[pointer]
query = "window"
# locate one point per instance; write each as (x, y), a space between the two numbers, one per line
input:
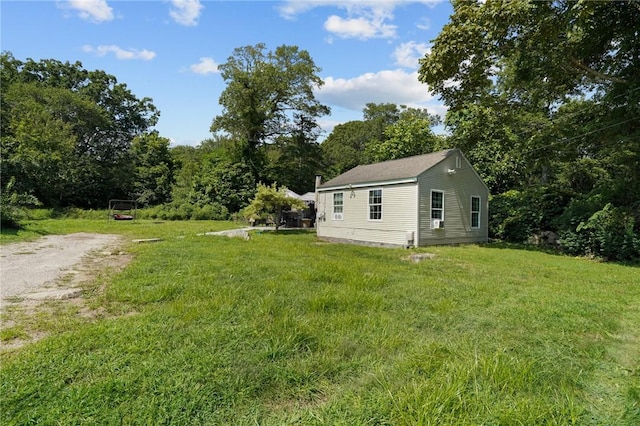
(338, 205)
(375, 204)
(437, 205)
(475, 212)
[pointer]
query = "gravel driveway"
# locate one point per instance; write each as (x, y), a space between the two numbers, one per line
(29, 266)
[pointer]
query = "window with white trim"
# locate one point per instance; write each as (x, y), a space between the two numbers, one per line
(475, 211)
(375, 204)
(437, 205)
(338, 205)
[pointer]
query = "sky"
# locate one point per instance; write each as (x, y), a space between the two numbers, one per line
(169, 50)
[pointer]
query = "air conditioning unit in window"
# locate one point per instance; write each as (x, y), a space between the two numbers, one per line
(438, 224)
(338, 216)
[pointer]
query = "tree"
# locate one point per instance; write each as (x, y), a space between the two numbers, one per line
(344, 148)
(221, 182)
(271, 200)
(295, 160)
(266, 92)
(153, 168)
(39, 145)
(540, 91)
(87, 108)
(539, 52)
(409, 135)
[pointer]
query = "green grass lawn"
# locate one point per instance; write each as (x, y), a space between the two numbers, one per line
(283, 329)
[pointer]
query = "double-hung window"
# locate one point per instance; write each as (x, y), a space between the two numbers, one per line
(475, 211)
(375, 204)
(437, 209)
(338, 205)
(437, 205)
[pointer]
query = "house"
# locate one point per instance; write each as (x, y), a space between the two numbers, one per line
(435, 198)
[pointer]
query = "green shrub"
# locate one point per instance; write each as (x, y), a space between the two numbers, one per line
(512, 217)
(212, 211)
(608, 234)
(13, 206)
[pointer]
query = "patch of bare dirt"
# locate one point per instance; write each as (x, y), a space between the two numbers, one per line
(53, 274)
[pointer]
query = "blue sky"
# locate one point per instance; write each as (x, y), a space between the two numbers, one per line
(169, 50)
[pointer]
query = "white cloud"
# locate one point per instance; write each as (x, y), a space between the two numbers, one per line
(362, 27)
(388, 86)
(424, 24)
(291, 8)
(205, 66)
(124, 54)
(91, 10)
(364, 18)
(186, 12)
(408, 54)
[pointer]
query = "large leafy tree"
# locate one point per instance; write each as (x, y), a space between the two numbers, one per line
(43, 125)
(409, 135)
(545, 95)
(387, 131)
(345, 146)
(538, 51)
(73, 107)
(266, 93)
(154, 169)
(295, 160)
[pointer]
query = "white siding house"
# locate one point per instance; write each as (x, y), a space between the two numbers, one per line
(435, 198)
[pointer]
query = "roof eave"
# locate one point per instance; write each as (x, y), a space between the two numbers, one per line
(367, 184)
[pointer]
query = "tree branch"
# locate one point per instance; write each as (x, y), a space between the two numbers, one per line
(595, 73)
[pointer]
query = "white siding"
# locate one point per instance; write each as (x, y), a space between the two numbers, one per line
(399, 215)
(458, 188)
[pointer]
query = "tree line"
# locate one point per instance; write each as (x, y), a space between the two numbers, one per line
(543, 98)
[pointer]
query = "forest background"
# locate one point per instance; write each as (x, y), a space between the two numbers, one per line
(543, 98)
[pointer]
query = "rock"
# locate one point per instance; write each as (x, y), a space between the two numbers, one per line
(419, 257)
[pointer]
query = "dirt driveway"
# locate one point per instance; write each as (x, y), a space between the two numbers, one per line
(35, 270)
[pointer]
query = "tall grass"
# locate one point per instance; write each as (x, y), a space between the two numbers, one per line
(283, 329)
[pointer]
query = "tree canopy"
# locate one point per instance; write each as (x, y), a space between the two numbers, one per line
(267, 95)
(67, 132)
(544, 97)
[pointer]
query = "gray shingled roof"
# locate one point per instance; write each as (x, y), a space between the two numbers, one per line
(402, 168)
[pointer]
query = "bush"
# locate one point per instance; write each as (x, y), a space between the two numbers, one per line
(187, 211)
(512, 217)
(213, 211)
(608, 234)
(13, 206)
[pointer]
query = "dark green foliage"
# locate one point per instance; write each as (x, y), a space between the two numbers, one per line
(154, 169)
(186, 211)
(546, 106)
(268, 95)
(345, 147)
(409, 135)
(222, 182)
(609, 234)
(12, 205)
(67, 132)
(388, 131)
(511, 217)
(294, 161)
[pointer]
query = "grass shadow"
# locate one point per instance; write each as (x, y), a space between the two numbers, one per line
(286, 231)
(554, 252)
